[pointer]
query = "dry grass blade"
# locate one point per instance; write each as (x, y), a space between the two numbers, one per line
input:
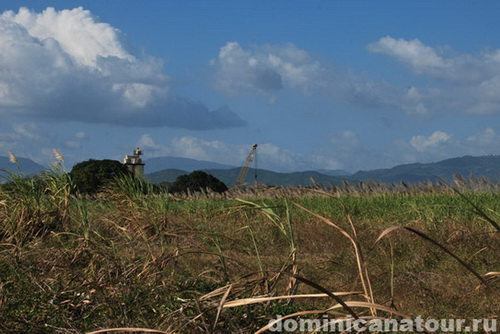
(221, 305)
(332, 295)
(128, 330)
(344, 208)
(215, 293)
(370, 306)
(255, 300)
(327, 221)
(434, 242)
(359, 253)
(386, 232)
(243, 284)
(359, 258)
(492, 276)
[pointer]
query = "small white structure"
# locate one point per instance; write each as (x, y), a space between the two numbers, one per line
(134, 163)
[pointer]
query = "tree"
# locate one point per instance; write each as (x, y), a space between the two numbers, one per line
(197, 181)
(92, 175)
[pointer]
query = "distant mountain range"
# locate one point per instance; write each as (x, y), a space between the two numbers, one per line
(333, 172)
(229, 176)
(487, 166)
(26, 166)
(167, 169)
(189, 165)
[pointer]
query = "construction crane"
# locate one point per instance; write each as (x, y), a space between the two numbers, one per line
(246, 166)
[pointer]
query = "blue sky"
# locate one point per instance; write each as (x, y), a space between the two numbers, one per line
(317, 84)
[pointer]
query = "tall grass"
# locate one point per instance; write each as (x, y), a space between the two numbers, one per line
(34, 205)
(135, 258)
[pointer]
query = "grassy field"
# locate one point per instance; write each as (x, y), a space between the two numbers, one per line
(132, 257)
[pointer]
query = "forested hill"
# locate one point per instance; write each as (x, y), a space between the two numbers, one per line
(487, 166)
(26, 166)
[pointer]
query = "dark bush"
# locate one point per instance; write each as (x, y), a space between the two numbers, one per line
(197, 181)
(91, 176)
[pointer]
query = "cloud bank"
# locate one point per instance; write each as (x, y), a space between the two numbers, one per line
(65, 65)
(345, 150)
(465, 82)
(265, 69)
(268, 69)
(457, 82)
(270, 156)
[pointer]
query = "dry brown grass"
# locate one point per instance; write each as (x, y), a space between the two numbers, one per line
(130, 261)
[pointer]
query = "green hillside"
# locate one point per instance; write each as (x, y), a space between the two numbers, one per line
(158, 164)
(487, 166)
(166, 175)
(24, 165)
(274, 178)
(229, 176)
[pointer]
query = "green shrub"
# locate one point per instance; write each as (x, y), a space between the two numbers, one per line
(197, 181)
(92, 175)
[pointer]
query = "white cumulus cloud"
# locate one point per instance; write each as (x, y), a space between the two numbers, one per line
(414, 52)
(442, 145)
(264, 69)
(467, 82)
(436, 139)
(441, 63)
(267, 69)
(76, 31)
(66, 65)
(457, 82)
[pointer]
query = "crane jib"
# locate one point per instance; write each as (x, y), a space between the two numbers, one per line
(246, 166)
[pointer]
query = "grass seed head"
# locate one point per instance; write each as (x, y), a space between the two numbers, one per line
(58, 155)
(12, 158)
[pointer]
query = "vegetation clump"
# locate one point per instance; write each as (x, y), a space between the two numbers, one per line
(92, 175)
(197, 181)
(138, 257)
